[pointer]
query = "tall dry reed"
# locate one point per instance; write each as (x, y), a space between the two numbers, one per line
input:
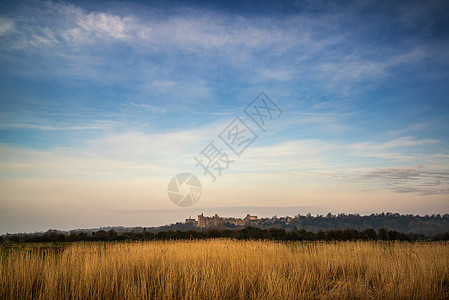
(226, 269)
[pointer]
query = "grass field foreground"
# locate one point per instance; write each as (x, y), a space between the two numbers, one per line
(225, 269)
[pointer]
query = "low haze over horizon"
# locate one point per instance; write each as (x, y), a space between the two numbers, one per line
(102, 103)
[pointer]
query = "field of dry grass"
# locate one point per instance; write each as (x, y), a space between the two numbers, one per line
(225, 269)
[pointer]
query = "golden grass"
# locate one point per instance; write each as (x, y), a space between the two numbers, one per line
(227, 269)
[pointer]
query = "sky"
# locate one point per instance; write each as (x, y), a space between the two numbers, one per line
(103, 103)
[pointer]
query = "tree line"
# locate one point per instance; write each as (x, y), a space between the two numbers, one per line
(247, 233)
(429, 225)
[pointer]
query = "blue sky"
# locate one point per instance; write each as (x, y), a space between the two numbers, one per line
(101, 103)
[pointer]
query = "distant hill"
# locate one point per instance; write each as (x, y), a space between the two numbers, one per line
(427, 225)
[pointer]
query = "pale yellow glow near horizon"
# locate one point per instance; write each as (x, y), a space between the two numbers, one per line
(69, 203)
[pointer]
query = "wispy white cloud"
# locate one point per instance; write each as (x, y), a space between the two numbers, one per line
(149, 107)
(71, 41)
(329, 121)
(408, 129)
(394, 149)
(6, 26)
(91, 27)
(94, 125)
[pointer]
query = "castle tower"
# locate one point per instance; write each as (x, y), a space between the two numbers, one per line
(201, 220)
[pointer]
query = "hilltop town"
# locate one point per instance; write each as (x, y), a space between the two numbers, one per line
(216, 221)
(427, 225)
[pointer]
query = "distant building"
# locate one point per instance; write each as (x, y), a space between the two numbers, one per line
(190, 221)
(219, 221)
(201, 221)
(249, 218)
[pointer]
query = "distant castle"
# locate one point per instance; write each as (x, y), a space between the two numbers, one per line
(217, 221)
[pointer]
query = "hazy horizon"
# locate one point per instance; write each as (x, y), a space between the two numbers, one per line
(103, 103)
(180, 216)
